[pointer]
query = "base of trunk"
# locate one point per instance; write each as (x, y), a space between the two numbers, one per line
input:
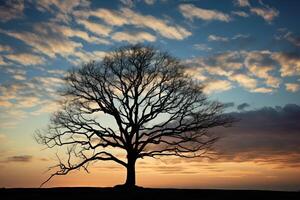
(127, 187)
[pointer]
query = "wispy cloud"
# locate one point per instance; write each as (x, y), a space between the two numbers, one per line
(5, 48)
(244, 81)
(126, 16)
(242, 3)
(290, 63)
(96, 28)
(44, 40)
(190, 12)
(133, 37)
(268, 14)
(217, 38)
(37, 94)
(82, 57)
(62, 10)
(216, 86)
(288, 36)
(264, 11)
(240, 13)
(150, 2)
(260, 64)
(202, 47)
(292, 87)
(253, 70)
(22, 158)
(12, 9)
(26, 59)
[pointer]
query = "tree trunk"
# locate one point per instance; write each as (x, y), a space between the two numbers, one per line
(130, 179)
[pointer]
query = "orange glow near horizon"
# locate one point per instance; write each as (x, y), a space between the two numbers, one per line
(164, 173)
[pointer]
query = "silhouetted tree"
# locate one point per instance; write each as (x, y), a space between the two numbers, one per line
(157, 109)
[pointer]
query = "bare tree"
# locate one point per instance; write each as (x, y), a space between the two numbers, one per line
(157, 110)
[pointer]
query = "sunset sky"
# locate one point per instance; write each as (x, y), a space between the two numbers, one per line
(247, 52)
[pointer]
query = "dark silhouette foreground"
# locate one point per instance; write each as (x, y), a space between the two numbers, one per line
(154, 107)
(142, 193)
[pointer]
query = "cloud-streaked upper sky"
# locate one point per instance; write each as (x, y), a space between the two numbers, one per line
(247, 52)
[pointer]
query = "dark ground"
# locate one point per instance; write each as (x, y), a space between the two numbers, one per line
(142, 193)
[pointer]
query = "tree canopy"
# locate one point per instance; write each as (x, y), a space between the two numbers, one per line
(155, 107)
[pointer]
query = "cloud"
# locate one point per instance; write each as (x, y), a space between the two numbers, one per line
(228, 105)
(52, 40)
(96, 28)
(2, 62)
(202, 47)
(127, 16)
(289, 36)
(18, 96)
(226, 61)
(267, 135)
(110, 17)
(47, 107)
(22, 158)
(261, 64)
(289, 62)
(295, 40)
(240, 13)
(196, 72)
(16, 73)
(11, 117)
(82, 57)
(57, 72)
(244, 80)
(63, 10)
(243, 106)
(37, 94)
(263, 72)
(5, 48)
(5, 103)
(29, 102)
(219, 71)
(242, 3)
(133, 37)
(84, 35)
(292, 87)
(149, 2)
(217, 38)
(256, 71)
(262, 90)
(19, 77)
(238, 37)
(128, 3)
(12, 9)
(26, 59)
(23, 96)
(216, 86)
(45, 40)
(249, 83)
(268, 14)
(10, 91)
(190, 12)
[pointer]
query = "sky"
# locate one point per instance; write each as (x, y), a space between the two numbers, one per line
(246, 52)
